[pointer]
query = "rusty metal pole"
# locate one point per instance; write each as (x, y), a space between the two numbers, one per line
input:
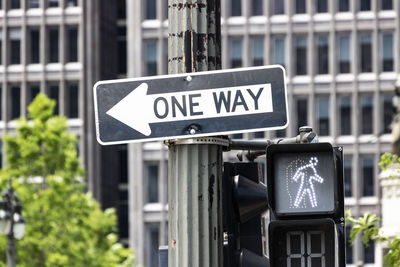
(194, 169)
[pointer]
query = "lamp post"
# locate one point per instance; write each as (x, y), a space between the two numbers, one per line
(12, 223)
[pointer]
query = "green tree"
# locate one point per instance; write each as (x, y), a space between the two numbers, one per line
(367, 226)
(65, 225)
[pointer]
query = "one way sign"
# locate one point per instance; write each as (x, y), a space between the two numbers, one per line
(190, 105)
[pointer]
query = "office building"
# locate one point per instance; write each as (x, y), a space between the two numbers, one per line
(341, 60)
(341, 63)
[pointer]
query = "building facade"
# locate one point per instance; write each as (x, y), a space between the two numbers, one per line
(61, 48)
(341, 61)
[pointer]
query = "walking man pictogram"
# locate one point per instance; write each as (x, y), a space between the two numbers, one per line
(305, 176)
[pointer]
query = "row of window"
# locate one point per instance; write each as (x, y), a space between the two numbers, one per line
(70, 98)
(345, 127)
(278, 7)
(17, 4)
(300, 50)
(365, 182)
(367, 176)
(53, 45)
(300, 6)
(365, 117)
(321, 51)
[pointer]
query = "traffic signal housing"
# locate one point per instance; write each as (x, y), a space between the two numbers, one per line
(305, 194)
(244, 200)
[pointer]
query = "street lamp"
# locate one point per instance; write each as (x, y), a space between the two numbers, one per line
(12, 223)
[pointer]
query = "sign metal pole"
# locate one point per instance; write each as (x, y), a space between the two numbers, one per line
(195, 165)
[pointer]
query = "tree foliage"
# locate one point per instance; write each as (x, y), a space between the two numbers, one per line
(367, 226)
(388, 159)
(65, 226)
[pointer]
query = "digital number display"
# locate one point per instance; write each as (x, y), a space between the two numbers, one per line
(304, 182)
(308, 243)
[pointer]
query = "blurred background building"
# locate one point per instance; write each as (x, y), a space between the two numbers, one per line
(341, 59)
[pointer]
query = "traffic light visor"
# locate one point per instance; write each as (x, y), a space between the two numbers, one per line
(301, 179)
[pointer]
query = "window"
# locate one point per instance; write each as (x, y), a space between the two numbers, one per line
(165, 10)
(33, 4)
(300, 6)
(15, 42)
(238, 136)
(302, 112)
(278, 56)
(72, 3)
(236, 8)
(259, 134)
(73, 44)
(369, 252)
(15, 109)
(53, 93)
(34, 47)
(366, 52)
(72, 104)
(152, 182)
(258, 51)
(322, 6)
(123, 206)
(123, 214)
(387, 52)
(165, 46)
(52, 3)
(366, 102)
(345, 115)
(301, 55)
(344, 53)
(236, 53)
(1, 45)
(122, 50)
(153, 235)
(123, 164)
(387, 5)
(347, 166)
(367, 165)
(365, 5)
(1, 108)
(344, 6)
(15, 4)
(151, 9)
(53, 45)
(121, 9)
(257, 8)
(323, 115)
(387, 113)
(34, 89)
(151, 57)
(349, 247)
(279, 7)
(280, 133)
(322, 53)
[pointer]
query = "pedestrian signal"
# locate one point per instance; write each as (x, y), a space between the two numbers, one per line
(305, 195)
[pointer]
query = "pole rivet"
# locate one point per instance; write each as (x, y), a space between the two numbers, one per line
(189, 78)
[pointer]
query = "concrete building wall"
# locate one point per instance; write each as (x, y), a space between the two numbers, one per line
(328, 89)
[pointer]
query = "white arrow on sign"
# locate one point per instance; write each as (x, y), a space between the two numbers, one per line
(139, 109)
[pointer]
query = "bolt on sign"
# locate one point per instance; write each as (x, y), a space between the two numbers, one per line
(190, 105)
